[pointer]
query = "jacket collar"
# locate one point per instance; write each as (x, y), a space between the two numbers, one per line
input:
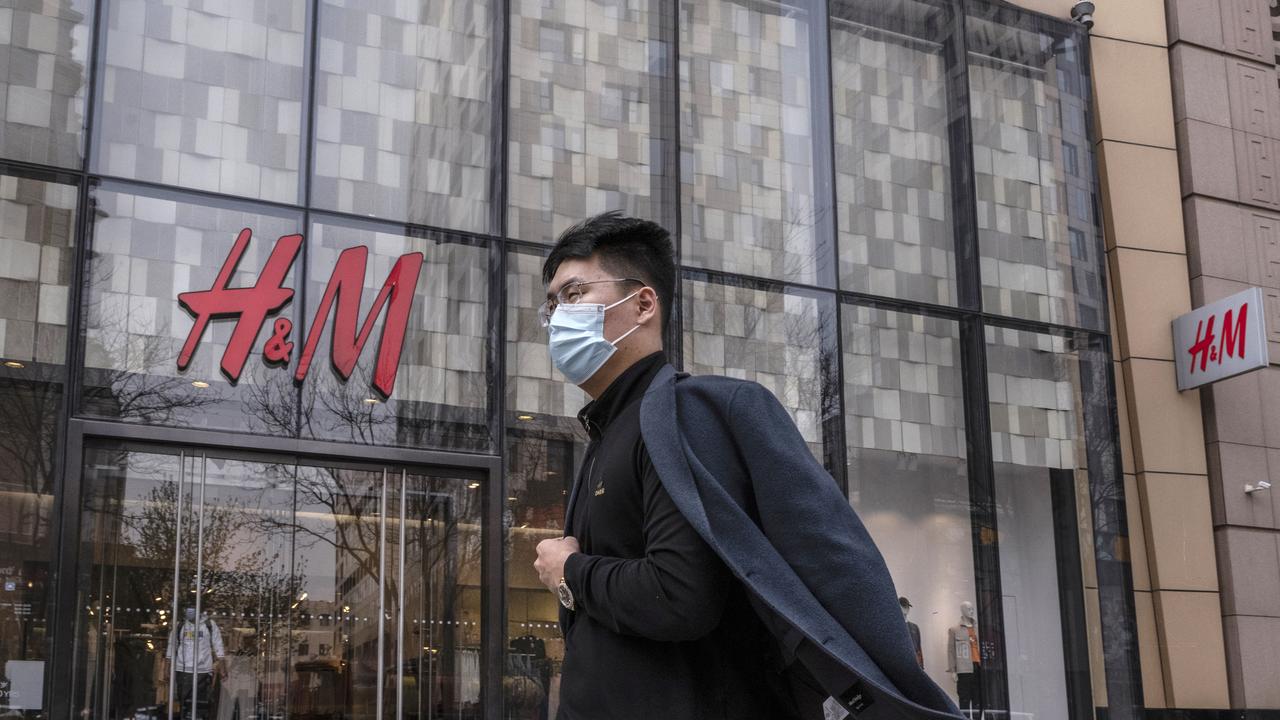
(628, 387)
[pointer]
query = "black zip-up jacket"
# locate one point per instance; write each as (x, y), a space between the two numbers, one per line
(660, 627)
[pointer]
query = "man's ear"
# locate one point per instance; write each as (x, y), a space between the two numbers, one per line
(647, 302)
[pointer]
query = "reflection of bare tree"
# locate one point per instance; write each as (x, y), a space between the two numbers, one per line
(122, 383)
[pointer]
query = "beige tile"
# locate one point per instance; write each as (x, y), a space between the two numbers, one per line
(1254, 96)
(1257, 169)
(1249, 568)
(1207, 160)
(1122, 411)
(1140, 196)
(1231, 466)
(1233, 410)
(1194, 21)
(1191, 649)
(1167, 431)
(1097, 658)
(1253, 660)
(1136, 103)
(1179, 531)
(1138, 564)
(1246, 28)
(1149, 651)
(1152, 288)
(1269, 391)
(1136, 20)
(1199, 78)
(1216, 239)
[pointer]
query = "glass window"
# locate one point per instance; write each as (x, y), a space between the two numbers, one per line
(774, 338)
(584, 131)
(44, 49)
(37, 220)
(37, 227)
(147, 250)
(239, 587)
(1033, 174)
(908, 477)
(403, 111)
(543, 442)
(748, 203)
(1043, 506)
(204, 95)
(893, 169)
(432, 392)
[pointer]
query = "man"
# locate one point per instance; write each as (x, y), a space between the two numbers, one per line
(710, 567)
(658, 626)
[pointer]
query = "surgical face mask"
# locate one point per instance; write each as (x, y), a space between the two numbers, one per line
(191, 613)
(577, 344)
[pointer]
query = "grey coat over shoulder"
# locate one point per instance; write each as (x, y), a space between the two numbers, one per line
(738, 469)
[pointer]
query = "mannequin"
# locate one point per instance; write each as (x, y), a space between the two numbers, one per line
(197, 644)
(913, 629)
(964, 660)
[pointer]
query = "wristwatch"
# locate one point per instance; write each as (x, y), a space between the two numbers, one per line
(565, 595)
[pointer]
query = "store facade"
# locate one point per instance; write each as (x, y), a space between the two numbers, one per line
(271, 352)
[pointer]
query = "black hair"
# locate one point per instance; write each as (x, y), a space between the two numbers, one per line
(625, 246)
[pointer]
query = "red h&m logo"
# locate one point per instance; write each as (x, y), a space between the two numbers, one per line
(251, 306)
(1232, 343)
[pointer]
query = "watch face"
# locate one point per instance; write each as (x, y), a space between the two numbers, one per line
(566, 597)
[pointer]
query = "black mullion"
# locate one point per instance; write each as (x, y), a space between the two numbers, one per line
(674, 343)
(493, 594)
(1116, 604)
(830, 322)
(982, 510)
(994, 679)
(67, 477)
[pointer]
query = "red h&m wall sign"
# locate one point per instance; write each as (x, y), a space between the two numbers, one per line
(1221, 339)
(251, 306)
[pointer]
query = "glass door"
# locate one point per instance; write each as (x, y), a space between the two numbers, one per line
(229, 587)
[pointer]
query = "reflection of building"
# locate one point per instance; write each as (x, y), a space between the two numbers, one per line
(889, 213)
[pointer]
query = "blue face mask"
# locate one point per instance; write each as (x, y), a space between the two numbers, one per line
(577, 344)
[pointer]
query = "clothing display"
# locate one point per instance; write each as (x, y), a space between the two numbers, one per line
(200, 706)
(964, 658)
(198, 644)
(914, 630)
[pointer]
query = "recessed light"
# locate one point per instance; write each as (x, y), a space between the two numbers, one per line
(372, 401)
(526, 418)
(13, 364)
(200, 384)
(474, 485)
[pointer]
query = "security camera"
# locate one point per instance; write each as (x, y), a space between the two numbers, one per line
(1082, 12)
(1262, 485)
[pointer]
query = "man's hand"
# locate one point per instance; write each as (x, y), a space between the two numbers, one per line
(552, 553)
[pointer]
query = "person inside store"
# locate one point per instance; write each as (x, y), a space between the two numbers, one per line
(710, 567)
(200, 657)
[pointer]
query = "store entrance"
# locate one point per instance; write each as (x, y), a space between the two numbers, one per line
(227, 586)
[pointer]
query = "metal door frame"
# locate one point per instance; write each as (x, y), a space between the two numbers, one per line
(484, 468)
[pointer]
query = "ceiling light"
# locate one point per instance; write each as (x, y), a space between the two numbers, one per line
(526, 418)
(200, 384)
(372, 401)
(13, 364)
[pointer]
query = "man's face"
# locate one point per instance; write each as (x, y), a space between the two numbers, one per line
(617, 320)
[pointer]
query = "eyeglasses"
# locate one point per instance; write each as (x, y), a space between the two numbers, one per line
(570, 294)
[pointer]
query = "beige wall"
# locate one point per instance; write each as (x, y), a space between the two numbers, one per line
(1227, 107)
(1142, 134)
